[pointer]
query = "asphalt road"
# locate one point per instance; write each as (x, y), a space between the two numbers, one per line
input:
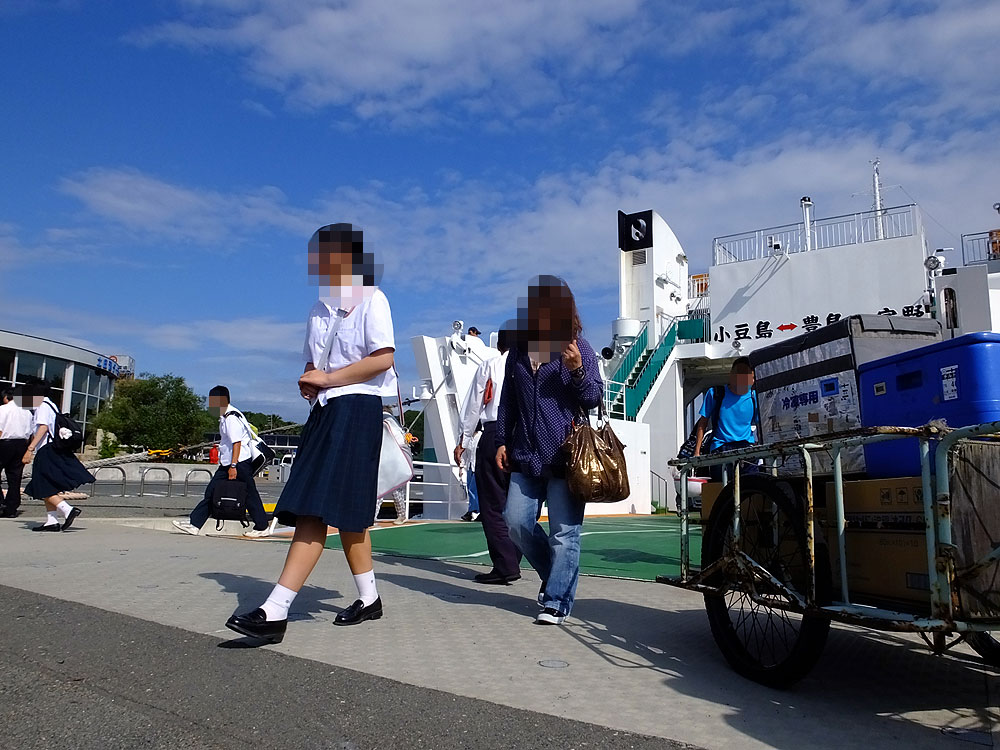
(79, 677)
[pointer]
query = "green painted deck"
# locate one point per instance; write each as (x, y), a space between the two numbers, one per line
(639, 548)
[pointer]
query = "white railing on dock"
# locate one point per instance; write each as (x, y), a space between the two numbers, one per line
(837, 231)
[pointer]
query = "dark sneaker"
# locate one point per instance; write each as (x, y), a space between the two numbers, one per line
(550, 616)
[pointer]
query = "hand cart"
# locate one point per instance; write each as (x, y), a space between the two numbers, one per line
(768, 583)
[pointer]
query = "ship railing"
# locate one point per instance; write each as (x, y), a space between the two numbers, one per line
(980, 247)
(449, 493)
(632, 354)
(614, 399)
(836, 231)
(697, 285)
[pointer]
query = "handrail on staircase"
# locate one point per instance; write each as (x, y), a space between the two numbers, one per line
(650, 371)
(632, 356)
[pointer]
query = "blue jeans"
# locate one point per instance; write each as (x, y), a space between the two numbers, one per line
(473, 493)
(554, 556)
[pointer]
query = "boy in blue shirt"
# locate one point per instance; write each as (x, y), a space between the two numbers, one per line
(737, 414)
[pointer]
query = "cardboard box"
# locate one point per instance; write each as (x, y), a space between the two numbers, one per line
(710, 492)
(880, 504)
(890, 564)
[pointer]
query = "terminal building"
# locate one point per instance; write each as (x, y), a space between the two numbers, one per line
(80, 380)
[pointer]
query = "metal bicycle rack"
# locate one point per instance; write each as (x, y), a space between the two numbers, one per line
(187, 477)
(102, 468)
(142, 478)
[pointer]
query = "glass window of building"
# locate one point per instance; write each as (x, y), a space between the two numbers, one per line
(29, 367)
(80, 375)
(105, 391)
(55, 372)
(94, 384)
(91, 409)
(77, 406)
(7, 365)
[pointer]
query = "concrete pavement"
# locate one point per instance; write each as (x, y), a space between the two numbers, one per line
(635, 656)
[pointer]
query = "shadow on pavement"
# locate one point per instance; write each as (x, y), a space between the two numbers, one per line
(884, 682)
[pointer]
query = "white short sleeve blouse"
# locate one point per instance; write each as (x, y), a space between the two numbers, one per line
(365, 329)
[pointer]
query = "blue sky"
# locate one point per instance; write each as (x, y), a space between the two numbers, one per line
(165, 162)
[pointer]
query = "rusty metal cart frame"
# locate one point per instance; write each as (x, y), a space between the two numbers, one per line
(737, 571)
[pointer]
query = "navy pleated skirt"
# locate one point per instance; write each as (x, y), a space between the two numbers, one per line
(335, 474)
(53, 472)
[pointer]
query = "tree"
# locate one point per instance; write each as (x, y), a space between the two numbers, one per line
(268, 421)
(155, 411)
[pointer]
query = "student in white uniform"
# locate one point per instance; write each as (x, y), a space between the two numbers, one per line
(15, 432)
(482, 406)
(234, 464)
(349, 356)
(54, 472)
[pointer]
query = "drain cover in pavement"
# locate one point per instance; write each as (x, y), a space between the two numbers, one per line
(553, 664)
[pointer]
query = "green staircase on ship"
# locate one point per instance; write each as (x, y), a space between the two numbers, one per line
(637, 372)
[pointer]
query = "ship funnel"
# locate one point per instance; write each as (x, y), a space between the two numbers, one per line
(807, 204)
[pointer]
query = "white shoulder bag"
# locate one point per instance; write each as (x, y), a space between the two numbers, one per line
(395, 466)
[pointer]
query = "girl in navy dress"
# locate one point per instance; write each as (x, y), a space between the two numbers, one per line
(348, 352)
(55, 472)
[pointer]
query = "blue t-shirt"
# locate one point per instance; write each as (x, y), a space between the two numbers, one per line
(737, 417)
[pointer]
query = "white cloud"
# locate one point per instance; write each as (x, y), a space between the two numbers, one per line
(400, 58)
(146, 205)
(922, 59)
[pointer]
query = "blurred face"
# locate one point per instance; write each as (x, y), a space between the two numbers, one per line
(216, 405)
(338, 269)
(548, 321)
(29, 400)
(740, 380)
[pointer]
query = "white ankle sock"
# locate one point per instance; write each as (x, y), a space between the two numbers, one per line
(277, 604)
(64, 508)
(51, 518)
(367, 592)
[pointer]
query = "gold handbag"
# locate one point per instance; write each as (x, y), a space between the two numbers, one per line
(595, 462)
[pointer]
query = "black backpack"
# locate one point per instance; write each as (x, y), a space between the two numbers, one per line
(687, 449)
(229, 503)
(67, 437)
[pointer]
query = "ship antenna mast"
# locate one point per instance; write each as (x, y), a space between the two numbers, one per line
(877, 191)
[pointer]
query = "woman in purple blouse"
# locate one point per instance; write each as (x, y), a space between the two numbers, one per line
(551, 378)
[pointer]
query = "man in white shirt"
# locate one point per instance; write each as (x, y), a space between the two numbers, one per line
(15, 432)
(491, 482)
(234, 465)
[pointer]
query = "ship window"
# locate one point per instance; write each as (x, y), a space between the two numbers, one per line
(638, 257)
(950, 308)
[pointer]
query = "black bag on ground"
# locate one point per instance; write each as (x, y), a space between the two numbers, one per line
(68, 435)
(687, 449)
(229, 503)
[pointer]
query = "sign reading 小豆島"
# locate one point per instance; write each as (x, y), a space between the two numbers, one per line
(765, 329)
(755, 302)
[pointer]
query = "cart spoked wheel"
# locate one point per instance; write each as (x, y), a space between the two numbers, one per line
(986, 645)
(761, 641)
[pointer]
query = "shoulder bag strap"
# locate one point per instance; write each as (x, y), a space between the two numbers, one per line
(334, 327)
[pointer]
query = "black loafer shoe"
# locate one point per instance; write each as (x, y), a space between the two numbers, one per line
(73, 514)
(256, 625)
(496, 579)
(48, 527)
(9, 513)
(358, 613)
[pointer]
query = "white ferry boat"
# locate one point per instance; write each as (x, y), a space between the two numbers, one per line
(678, 332)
